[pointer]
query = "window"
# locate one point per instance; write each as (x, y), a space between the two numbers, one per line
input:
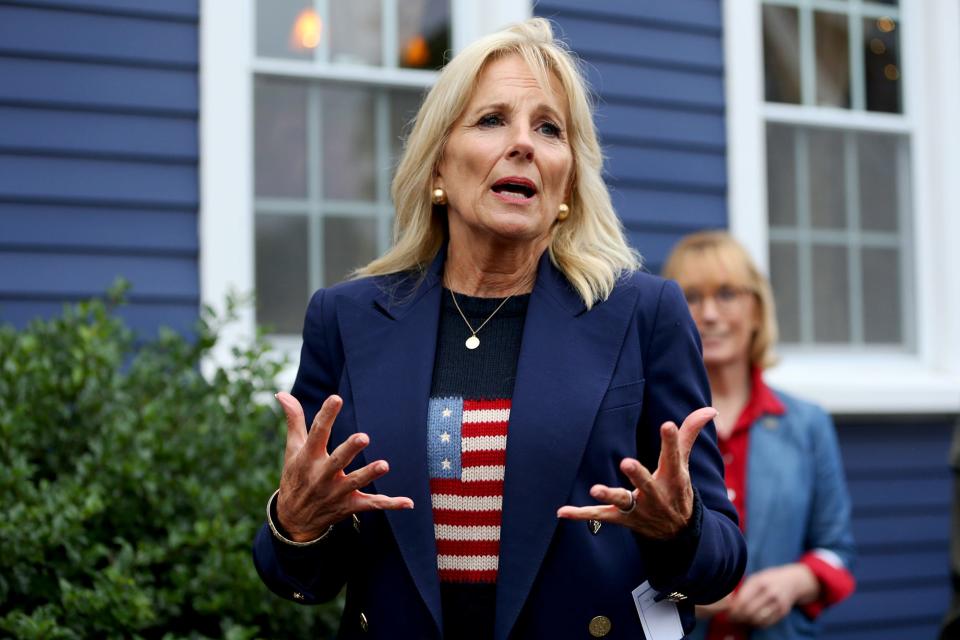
(838, 208)
(302, 105)
(839, 122)
(324, 149)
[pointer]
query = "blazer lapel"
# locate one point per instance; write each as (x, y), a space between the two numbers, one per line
(566, 362)
(389, 363)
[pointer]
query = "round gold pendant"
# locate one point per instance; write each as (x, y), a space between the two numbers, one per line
(472, 342)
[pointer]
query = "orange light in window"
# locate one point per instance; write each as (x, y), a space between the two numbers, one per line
(416, 53)
(306, 30)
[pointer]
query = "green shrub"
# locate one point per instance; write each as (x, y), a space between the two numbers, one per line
(131, 485)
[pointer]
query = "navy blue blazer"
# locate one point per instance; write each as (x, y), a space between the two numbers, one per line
(592, 388)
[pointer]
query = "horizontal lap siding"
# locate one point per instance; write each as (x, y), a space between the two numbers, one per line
(900, 483)
(657, 70)
(99, 157)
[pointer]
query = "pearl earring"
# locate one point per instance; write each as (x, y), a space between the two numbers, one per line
(564, 212)
(439, 196)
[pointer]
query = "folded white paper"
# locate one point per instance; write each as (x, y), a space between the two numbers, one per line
(660, 620)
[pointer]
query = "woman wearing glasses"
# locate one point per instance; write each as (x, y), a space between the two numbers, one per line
(782, 462)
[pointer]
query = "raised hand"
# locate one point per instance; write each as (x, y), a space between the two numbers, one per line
(314, 490)
(661, 503)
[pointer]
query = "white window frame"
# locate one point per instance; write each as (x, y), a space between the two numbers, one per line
(227, 68)
(927, 381)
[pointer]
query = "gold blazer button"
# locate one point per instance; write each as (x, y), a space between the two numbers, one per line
(600, 626)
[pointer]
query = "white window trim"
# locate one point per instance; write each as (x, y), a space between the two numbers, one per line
(868, 383)
(226, 227)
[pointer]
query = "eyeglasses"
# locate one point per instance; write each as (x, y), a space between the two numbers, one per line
(725, 297)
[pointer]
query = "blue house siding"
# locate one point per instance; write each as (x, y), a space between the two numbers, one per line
(657, 69)
(99, 157)
(901, 485)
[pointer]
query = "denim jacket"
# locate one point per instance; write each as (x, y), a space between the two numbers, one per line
(797, 500)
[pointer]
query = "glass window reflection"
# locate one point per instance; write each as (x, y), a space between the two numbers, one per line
(287, 29)
(882, 66)
(355, 32)
(781, 54)
(833, 59)
(280, 138)
(423, 33)
(348, 243)
(282, 273)
(349, 168)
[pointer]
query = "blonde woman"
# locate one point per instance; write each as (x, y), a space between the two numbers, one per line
(783, 468)
(494, 448)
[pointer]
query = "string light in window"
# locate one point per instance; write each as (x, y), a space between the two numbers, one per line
(416, 53)
(306, 31)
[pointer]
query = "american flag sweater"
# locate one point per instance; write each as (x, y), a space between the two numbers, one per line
(468, 420)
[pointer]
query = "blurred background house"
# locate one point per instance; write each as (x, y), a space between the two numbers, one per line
(201, 147)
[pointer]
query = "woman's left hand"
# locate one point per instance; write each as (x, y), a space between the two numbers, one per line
(765, 597)
(661, 504)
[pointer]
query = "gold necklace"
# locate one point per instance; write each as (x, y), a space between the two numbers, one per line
(473, 341)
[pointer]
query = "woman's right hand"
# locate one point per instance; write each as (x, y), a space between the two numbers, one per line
(314, 491)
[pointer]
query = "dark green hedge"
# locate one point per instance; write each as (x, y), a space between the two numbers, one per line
(131, 485)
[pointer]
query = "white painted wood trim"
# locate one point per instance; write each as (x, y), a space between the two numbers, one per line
(841, 118)
(929, 381)
(226, 163)
(868, 384)
(746, 135)
(936, 172)
(473, 19)
(360, 74)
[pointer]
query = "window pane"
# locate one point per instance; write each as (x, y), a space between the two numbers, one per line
(355, 32)
(827, 178)
(403, 109)
(781, 54)
(349, 171)
(280, 138)
(882, 61)
(781, 175)
(287, 29)
(879, 181)
(423, 33)
(348, 243)
(882, 302)
(784, 273)
(282, 277)
(831, 295)
(833, 61)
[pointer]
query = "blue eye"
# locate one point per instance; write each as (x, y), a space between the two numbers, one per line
(550, 129)
(490, 120)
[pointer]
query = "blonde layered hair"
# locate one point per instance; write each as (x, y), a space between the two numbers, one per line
(716, 254)
(589, 247)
